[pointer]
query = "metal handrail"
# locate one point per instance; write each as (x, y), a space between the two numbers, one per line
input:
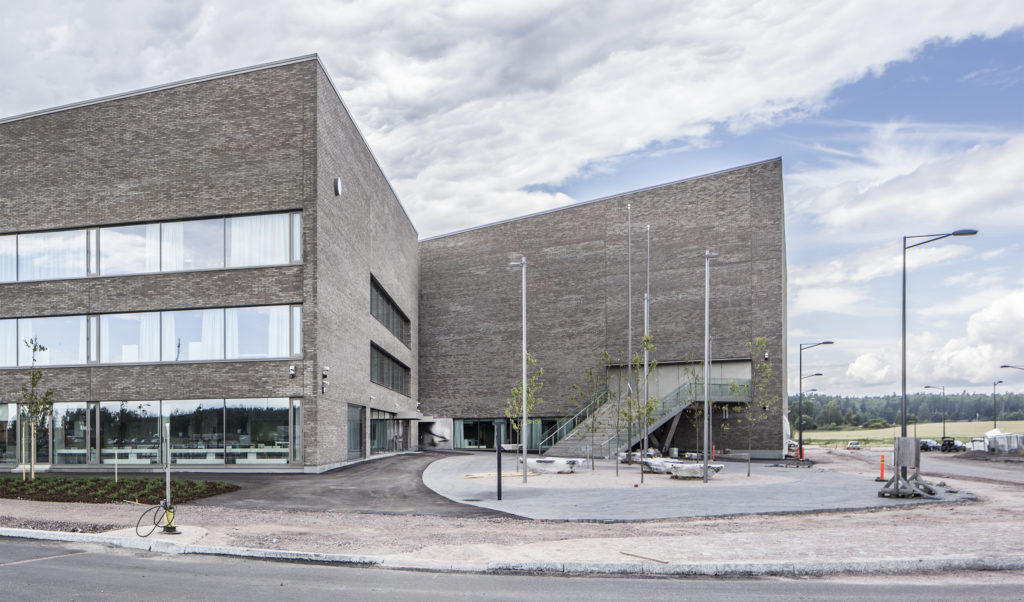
(680, 398)
(569, 423)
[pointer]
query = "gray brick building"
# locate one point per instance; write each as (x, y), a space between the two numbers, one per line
(577, 291)
(220, 264)
(213, 271)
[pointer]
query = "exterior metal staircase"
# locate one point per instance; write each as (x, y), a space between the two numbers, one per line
(575, 437)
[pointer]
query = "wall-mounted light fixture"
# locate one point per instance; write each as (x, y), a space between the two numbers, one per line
(337, 187)
(323, 376)
(291, 371)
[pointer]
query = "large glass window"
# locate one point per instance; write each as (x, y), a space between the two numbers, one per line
(192, 335)
(131, 431)
(129, 249)
(51, 255)
(63, 336)
(128, 338)
(388, 372)
(257, 240)
(70, 433)
(257, 332)
(8, 433)
(197, 430)
(194, 245)
(8, 258)
(256, 430)
(8, 343)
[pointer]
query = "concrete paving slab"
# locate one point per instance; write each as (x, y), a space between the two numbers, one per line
(600, 495)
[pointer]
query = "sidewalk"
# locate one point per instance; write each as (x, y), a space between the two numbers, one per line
(885, 538)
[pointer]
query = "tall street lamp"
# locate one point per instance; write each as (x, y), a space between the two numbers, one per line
(1009, 366)
(522, 426)
(708, 256)
(943, 387)
(800, 418)
(903, 341)
(995, 411)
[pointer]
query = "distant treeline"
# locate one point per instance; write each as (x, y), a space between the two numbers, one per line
(835, 412)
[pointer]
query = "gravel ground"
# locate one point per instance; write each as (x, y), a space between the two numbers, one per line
(982, 528)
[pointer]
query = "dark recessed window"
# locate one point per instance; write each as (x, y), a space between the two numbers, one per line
(388, 372)
(387, 312)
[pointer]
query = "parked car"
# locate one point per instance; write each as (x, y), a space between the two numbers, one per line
(853, 445)
(930, 445)
(950, 444)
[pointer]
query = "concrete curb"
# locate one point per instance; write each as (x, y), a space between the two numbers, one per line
(890, 566)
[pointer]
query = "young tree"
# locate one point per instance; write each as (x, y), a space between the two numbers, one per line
(638, 410)
(595, 385)
(38, 405)
(759, 409)
(514, 406)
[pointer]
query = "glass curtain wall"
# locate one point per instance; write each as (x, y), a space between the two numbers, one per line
(129, 338)
(129, 250)
(64, 338)
(193, 335)
(8, 343)
(473, 433)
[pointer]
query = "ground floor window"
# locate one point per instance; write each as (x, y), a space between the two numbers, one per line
(355, 432)
(263, 430)
(387, 433)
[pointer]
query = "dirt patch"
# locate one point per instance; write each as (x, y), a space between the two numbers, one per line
(104, 490)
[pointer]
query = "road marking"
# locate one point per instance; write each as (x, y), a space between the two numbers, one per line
(43, 558)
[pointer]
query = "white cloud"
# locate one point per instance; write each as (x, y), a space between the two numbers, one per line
(871, 369)
(470, 105)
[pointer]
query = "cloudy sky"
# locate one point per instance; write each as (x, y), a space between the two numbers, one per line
(892, 119)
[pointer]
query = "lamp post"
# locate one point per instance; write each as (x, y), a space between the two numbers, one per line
(522, 426)
(800, 418)
(708, 256)
(995, 411)
(943, 387)
(903, 340)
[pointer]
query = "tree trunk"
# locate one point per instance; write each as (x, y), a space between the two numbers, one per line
(33, 458)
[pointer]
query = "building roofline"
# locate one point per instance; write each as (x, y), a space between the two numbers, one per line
(203, 78)
(184, 82)
(598, 200)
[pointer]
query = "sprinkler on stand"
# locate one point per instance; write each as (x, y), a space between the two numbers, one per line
(168, 522)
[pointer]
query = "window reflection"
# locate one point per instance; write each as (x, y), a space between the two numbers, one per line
(8, 258)
(192, 335)
(8, 433)
(257, 431)
(126, 338)
(8, 343)
(257, 332)
(51, 255)
(257, 240)
(131, 431)
(63, 336)
(197, 430)
(194, 245)
(70, 433)
(130, 249)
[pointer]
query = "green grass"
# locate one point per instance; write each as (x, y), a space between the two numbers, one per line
(101, 490)
(930, 430)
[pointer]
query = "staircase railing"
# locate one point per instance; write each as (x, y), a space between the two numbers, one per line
(564, 426)
(668, 406)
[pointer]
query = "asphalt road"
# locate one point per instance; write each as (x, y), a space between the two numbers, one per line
(35, 570)
(386, 486)
(938, 464)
